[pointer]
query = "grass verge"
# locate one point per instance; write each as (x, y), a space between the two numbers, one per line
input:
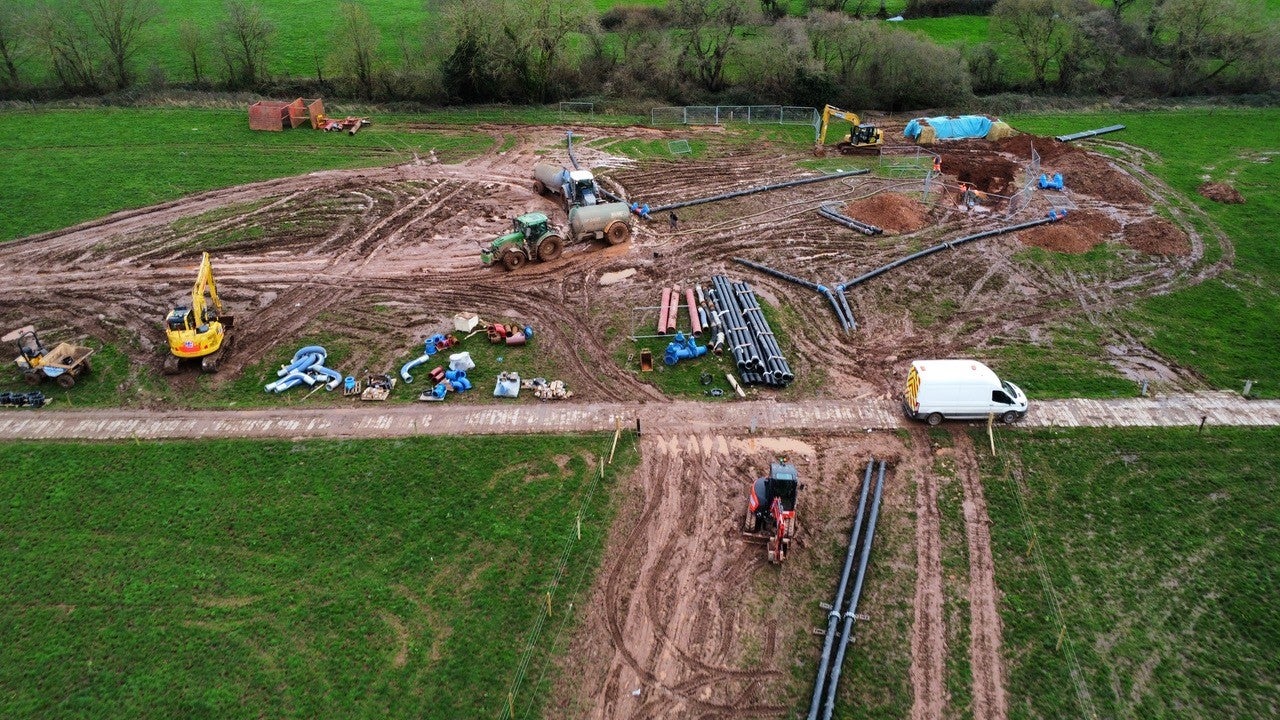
(1138, 569)
(229, 579)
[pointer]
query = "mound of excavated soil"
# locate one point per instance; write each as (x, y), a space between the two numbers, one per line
(1221, 192)
(1060, 237)
(1092, 175)
(1157, 236)
(1048, 148)
(1077, 234)
(892, 212)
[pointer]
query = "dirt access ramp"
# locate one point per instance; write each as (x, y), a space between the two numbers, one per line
(688, 618)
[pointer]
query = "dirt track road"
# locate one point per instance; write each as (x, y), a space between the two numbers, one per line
(1218, 408)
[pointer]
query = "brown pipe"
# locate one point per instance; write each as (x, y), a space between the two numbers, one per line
(662, 314)
(673, 313)
(693, 312)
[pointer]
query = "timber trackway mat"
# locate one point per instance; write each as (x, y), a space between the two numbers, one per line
(843, 416)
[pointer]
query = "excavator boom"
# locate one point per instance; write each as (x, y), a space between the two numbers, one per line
(198, 331)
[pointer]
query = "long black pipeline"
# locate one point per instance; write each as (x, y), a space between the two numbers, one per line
(762, 188)
(846, 322)
(833, 617)
(851, 223)
(852, 612)
(943, 246)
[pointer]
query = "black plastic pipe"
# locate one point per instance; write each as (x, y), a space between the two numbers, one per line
(833, 617)
(851, 613)
(762, 188)
(943, 246)
(846, 322)
(851, 223)
(848, 311)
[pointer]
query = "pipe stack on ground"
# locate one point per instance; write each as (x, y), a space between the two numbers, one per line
(829, 212)
(846, 606)
(833, 617)
(843, 313)
(755, 350)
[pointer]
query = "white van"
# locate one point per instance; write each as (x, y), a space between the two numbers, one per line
(964, 389)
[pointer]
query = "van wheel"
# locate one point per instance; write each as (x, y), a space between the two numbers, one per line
(934, 418)
(1009, 418)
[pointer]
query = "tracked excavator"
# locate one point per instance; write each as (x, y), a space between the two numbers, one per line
(771, 510)
(862, 138)
(198, 331)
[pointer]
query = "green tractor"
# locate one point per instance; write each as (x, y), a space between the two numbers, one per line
(532, 237)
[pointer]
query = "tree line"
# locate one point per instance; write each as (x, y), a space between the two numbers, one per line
(728, 51)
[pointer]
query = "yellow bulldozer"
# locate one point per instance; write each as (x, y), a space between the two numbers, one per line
(199, 330)
(861, 138)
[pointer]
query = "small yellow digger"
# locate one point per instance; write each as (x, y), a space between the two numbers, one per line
(862, 138)
(198, 331)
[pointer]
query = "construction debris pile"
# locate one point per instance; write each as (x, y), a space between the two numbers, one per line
(751, 340)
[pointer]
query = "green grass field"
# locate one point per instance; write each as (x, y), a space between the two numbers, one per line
(67, 166)
(228, 579)
(1139, 571)
(1224, 328)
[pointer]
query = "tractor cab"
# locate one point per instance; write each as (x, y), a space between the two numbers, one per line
(531, 225)
(584, 187)
(782, 484)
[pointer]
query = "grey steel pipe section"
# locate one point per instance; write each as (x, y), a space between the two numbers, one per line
(851, 613)
(848, 311)
(752, 191)
(943, 246)
(1087, 133)
(851, 223)
(833, 617)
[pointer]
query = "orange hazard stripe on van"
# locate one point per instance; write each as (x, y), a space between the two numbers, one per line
(913, 388)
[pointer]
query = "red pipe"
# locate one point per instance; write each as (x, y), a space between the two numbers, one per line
(662, 314)
(693, 312)
(673, 313)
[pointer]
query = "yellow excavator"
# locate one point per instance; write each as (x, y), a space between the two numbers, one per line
(198, 331)
(861, 138)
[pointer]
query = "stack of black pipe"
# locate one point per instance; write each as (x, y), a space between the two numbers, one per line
(749, 337)
(846, 603)
(838, 302)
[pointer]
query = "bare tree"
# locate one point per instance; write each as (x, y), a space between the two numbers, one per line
(548, 24)
(191, 41)
(356, 43)
(69, 44)
(1198, 40)
(118, 24)
(838, 42)
(244, 37)
(13, 40)
(710, 36)
(1040, 29)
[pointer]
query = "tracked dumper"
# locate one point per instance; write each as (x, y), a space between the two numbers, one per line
(771, 510)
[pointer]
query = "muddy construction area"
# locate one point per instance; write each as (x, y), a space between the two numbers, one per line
(686, 619)
(382, 258)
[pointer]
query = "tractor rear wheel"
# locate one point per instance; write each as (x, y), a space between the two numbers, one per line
(66, 380)
(617, 233)
(550, 248)
(539, 188)
(32, 377)
(512, 259)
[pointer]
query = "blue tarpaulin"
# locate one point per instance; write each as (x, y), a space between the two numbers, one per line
(951, 128)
